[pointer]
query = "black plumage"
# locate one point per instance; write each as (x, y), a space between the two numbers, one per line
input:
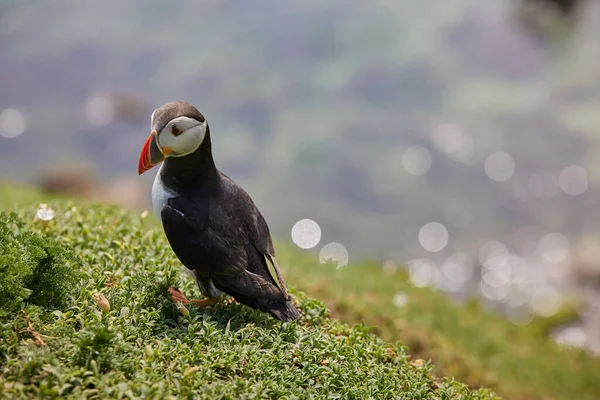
(216, 230)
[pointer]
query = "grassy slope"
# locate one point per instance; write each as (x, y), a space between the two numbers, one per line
(145, 348)
(473, 345)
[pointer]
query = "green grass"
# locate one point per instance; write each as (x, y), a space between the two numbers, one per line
(473, 345)
(468, 343)
(33, 268)
(145, 348)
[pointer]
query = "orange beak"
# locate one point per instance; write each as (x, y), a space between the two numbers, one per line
(151, 154)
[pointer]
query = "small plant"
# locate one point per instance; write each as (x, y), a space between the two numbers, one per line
(95, 345)
(33, 269)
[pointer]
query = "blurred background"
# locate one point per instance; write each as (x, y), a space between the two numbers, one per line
(458, 139)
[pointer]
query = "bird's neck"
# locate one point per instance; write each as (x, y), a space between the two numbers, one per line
(195, 171)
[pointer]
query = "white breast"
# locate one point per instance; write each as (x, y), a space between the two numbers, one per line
(160, 194)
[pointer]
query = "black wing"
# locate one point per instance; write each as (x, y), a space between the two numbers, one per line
(225, 240)
(257, 231)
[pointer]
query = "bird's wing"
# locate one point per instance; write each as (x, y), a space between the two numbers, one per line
(264, 245)
(257, 232)
(227, 256)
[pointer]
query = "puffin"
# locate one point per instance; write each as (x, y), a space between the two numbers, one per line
(211, 223)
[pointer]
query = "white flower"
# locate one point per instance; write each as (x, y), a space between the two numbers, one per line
(44, 213)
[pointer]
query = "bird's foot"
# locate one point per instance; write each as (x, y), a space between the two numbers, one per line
(176, 296)
(205, 302)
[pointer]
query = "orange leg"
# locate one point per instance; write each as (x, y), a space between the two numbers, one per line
(205, 302)
(177, 296)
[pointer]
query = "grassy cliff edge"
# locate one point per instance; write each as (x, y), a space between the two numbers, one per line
(144, 347)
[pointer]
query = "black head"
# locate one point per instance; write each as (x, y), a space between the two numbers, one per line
(178, 130)
(173, 110)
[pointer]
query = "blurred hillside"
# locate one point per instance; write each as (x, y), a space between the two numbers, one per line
(373, 119)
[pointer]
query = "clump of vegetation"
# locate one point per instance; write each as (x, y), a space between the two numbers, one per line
(33, 269)
(142, 347)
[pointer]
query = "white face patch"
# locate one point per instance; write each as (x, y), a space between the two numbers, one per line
(191, 136)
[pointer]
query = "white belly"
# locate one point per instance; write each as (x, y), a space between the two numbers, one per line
(160, 194)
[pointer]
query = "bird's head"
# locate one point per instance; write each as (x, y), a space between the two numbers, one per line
(178, 129)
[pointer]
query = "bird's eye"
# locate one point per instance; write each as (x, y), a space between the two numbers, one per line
(175, 130)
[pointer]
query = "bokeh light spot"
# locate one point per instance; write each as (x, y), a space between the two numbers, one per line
(422, 272)
(573, 180)
(516, 298)
(451, 140)
(335, 253)
(433, 237)
(416, 160)
(400, 299)
(389, 267)
(457, 268)
(306, 233)
(494, 293)
(12, 123)
(496, 271)
(554, 248)
(465, 154)
(99, 110)
(491, 249)
(545, 302)
(499, 166)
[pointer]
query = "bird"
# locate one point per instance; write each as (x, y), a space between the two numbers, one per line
(211, 223)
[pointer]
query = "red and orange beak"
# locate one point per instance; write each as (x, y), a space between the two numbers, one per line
(151, 154)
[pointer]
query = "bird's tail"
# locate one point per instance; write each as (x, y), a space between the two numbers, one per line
(282, 310)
